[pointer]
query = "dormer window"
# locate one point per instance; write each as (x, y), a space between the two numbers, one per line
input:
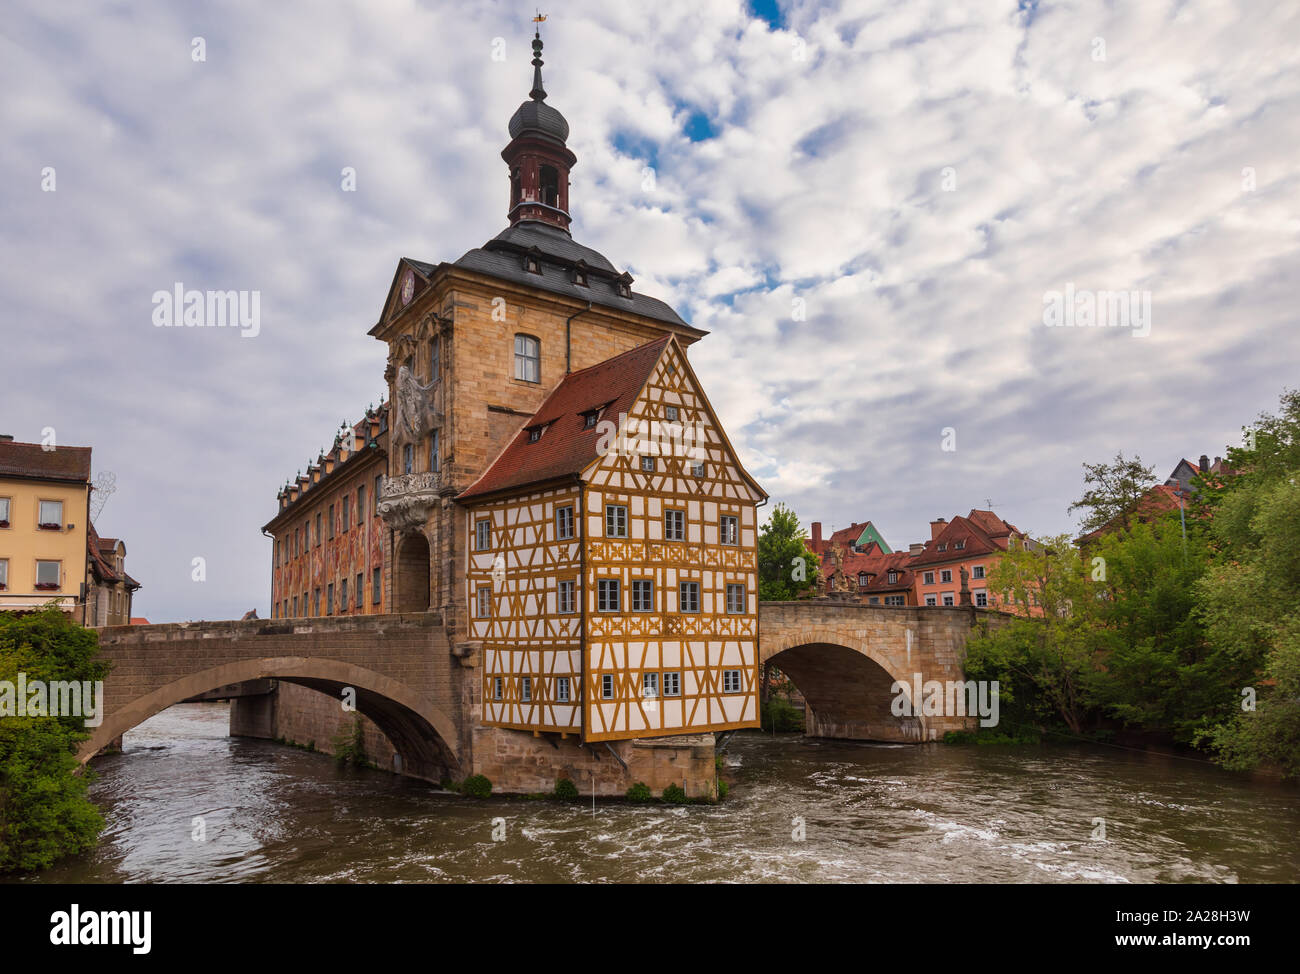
(532, 264)
(959, 544)
(535, 433)
(624, 285)
(893, 578)
(580, 274)
(944, 546)
(862, 579)
(589, 419)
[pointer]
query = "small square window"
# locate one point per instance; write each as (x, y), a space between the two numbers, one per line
(948, 599)
(672, 684)
(670, 413)
(648, 464)
(589, 420)
(649, 685)
(731, 681)
(977, 571)
(615, 521)
(607, 595)
(48, 574)
(697, 468)
(689, 597)
(945, 575)
(929, 578)
(50, 515)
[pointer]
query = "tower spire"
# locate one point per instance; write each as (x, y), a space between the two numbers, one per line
(538, 93)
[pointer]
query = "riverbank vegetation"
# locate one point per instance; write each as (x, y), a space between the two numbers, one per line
(1182, 627)
(44, 811)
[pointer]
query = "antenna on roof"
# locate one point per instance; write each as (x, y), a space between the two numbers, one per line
(989, 503)
(102, 488)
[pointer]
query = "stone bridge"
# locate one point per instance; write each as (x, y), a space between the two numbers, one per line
(402, 670)
(844, 658)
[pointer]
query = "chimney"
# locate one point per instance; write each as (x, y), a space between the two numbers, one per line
(6, 438)
(817, 533)
(1205, 463)
(936, 528)
(915, 548)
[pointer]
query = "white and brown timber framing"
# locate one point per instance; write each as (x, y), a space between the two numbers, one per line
(526, 635)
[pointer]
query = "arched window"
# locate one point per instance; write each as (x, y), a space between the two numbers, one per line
(528, 358)
(550, 186)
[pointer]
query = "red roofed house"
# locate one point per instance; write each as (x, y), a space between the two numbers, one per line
(974, 543)
(109, 589)
(1164, 498)
(612, 560)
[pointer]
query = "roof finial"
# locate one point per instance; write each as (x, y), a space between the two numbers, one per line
(538, 93)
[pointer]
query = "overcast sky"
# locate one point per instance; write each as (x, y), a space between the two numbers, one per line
(865, 203)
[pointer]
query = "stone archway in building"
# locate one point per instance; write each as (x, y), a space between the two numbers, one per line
(412, 591)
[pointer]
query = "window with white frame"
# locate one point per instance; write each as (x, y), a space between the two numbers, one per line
(977, 571)
(949, 599)
(689, 597)
(4, 574)
(484, 601)
(674, 525)
(893, 578)
(4, 512)
(50, 514)
(929, 578)
(566, 600)
(648, 464)
(564, 523)
(482, 534)
(862, 579)
(670, 413)
(959, 545)
(697, 468)
(607, 686)
(649, 685)
(525, 688)
(735, 599)
(615, 521)
(729, 530)
(643, 595)
(981, 598)
(895, 600)
(731, 681)
(607, 595)
(945, 575)
(931, 600)
(48, 574)
(562, 689)
(672, 684)
(528, 358)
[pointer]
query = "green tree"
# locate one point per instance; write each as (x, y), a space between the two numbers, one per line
(787, 568)
(44, 812)
(1250, 599)
(1113, 492)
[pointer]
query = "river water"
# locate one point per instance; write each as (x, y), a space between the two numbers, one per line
(799, 811)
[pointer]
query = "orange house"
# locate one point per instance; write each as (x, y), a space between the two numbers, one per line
(974, 543)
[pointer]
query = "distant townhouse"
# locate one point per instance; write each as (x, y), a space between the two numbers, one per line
(973, 543)
(1162, 499)
(109, 589)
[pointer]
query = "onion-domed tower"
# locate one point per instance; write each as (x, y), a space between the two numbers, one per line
(538, 159)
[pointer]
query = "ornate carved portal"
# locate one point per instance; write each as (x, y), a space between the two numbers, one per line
(407, 501)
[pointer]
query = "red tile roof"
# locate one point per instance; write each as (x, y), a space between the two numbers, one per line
(1158, 500)
(33, 461)
(979, 530)
(567, 446)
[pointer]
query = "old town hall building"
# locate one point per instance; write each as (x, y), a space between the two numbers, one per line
(547, 473)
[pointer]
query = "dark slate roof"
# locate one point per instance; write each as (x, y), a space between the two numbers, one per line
(70, 463)
(537, 116)
(567, 445)
(503, 257)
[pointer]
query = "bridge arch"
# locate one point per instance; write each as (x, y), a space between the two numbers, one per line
(847, 683)
(422, 734)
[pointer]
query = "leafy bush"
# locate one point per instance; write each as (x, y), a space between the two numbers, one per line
(44, 812)
(722, 789)
(675, 795)
(350, 746)
(780, 716)
(566, 790)
(476, 786)
(639, 792)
